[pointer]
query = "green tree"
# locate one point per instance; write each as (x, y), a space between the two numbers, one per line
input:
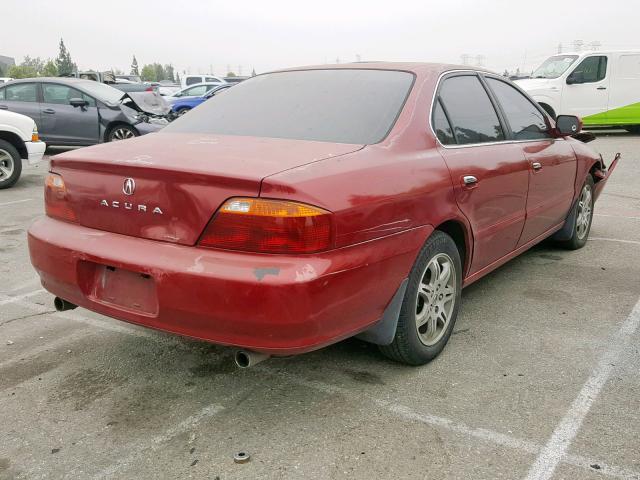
(22, 71)
(35, 63)
(63, 61)
(168, 72)
(159, 71)
(134, 66)
(50, 69)
(148, 73)
(231, 74)
(177, 78)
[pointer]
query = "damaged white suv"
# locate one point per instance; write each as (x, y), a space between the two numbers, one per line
(18, 141)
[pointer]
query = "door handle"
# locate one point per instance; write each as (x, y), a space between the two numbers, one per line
(601, 88)
(4, 107)
(48, 110)
(469, 180)
(536, 166)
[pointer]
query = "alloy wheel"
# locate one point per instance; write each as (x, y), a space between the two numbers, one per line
(584, 212)
(436, 299)
(121, 134)
(6, 165)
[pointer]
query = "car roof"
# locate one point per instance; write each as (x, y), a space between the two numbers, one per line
(414, 67)
(63, 80)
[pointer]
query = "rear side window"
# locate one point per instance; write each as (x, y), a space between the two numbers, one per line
(1, 93)
(356, 106)
(21, 92)
(590, 70)
(473, 118)
(194, 80)
(441, 125)
(525, 120)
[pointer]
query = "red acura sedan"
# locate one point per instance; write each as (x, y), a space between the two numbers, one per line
(305, 206)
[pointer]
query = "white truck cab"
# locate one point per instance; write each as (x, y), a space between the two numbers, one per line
(601, 87)
(18, 141)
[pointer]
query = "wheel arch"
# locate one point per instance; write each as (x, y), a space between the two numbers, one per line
(461, 234)
(16, 141)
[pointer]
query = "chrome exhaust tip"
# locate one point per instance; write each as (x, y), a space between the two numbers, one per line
(62, 305)
(247, 358)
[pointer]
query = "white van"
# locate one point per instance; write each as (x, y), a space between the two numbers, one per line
(601, 87)
(187, 80)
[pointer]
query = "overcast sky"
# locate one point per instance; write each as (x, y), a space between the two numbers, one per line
(199, 35)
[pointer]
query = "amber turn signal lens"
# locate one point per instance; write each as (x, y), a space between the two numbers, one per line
(269, 226)
(56, 203)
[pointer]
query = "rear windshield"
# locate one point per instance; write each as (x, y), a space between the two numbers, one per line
(342, 106)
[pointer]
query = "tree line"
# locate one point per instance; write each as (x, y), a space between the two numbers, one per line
(63, 65)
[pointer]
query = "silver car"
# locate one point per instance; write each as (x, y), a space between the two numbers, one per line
(72, 111)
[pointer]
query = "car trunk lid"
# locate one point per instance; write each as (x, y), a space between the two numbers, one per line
(177, 181)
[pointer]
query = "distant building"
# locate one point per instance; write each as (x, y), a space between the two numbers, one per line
(6, 63)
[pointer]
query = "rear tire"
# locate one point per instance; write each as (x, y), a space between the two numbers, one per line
(10, 165)
(635, 129)
(582, 218)
(431, 302)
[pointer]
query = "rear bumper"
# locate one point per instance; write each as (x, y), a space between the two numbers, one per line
(35, 151)
(269, 303)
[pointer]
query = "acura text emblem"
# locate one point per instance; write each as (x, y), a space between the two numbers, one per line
(129, 186)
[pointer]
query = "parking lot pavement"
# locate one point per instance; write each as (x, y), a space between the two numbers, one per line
(540, 379)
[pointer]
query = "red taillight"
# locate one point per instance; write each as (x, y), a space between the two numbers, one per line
(56, 204)
(268, 226)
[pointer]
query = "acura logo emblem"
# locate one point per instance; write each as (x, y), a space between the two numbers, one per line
(129, 186)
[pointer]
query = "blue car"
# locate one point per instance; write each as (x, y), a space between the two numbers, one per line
(180, 106)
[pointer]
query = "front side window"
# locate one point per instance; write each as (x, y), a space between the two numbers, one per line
(1, 93)
(62, 94)
(525, 120)
(21, 92)
(472, 116)
(590, 70)
(212, 79)
(355, 106)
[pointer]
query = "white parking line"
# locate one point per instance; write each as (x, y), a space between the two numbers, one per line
(15, 201)
(618, 240)
(157, 441)
(557, 446)
(9, 299)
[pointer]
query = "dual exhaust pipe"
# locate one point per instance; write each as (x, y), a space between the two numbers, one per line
(242, 358)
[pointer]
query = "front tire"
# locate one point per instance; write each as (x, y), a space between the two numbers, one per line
(182, 111)
(583, 217)
(121, 132)
(10, 165)
(431, 302)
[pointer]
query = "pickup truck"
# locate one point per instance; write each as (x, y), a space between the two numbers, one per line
(18, 141)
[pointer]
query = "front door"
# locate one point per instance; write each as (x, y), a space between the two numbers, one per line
(490, 175)
(552, 162)
(586, 92)
(64, 124)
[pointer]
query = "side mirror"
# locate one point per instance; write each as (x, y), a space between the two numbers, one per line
(575, 77)
(568, 125)
(78, 102)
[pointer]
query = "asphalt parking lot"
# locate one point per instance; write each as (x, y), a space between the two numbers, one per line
(541, 378)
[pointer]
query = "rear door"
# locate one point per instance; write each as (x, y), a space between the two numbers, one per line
(62, 123)
(586, 93)
(490, 174)
(22, 98)
(551, 161)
